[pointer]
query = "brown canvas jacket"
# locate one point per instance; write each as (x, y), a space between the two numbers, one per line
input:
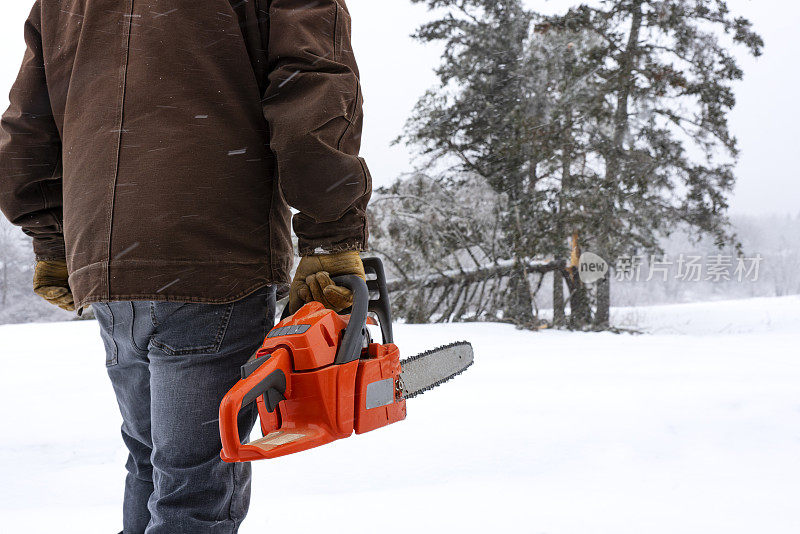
(158, 144)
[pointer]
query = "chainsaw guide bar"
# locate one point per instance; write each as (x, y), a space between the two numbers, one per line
(434, 367)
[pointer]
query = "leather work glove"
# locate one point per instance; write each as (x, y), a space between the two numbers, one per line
(312, 281)
(50, 283)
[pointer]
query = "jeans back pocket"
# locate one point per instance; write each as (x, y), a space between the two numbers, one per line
(189, 328)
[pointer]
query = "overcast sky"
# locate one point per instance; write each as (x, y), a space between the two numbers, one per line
(396, 70)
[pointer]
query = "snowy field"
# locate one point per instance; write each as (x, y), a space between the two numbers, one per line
(691, 428)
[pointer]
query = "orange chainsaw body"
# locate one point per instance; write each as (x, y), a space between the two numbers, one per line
(305, 398)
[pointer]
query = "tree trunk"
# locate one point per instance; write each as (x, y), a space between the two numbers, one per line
(580, 314)
(614, 156)
(558, 299)
(625, 84)
(559, 315)
(602, 315)
(580, 311)
(518, 306)
(626, 81)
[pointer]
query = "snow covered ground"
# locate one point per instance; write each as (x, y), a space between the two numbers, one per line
(693, 428)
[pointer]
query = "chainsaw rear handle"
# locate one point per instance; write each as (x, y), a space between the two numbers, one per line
(271, 378)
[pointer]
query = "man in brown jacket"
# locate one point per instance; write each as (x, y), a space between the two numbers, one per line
(152, 149)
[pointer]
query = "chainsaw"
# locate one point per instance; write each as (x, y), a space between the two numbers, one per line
(319, 377)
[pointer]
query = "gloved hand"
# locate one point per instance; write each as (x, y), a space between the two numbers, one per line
(312, 281)
(50, 283)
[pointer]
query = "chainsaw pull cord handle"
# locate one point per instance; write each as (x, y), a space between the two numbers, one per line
(356, 331)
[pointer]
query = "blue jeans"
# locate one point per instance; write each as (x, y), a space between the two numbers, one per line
(170, 364)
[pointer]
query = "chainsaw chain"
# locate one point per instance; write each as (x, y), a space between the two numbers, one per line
(413, 394)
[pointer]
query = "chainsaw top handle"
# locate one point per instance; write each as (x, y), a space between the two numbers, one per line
(356, 331)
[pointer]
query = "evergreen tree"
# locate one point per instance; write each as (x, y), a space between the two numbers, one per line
(665, 72)
(482, 121)
(609, 122)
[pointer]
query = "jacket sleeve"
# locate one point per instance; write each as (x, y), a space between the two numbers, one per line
(30, 153)
(313, 104)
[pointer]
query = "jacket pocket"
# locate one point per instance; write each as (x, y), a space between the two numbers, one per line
(105, 318)
(189, 328)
